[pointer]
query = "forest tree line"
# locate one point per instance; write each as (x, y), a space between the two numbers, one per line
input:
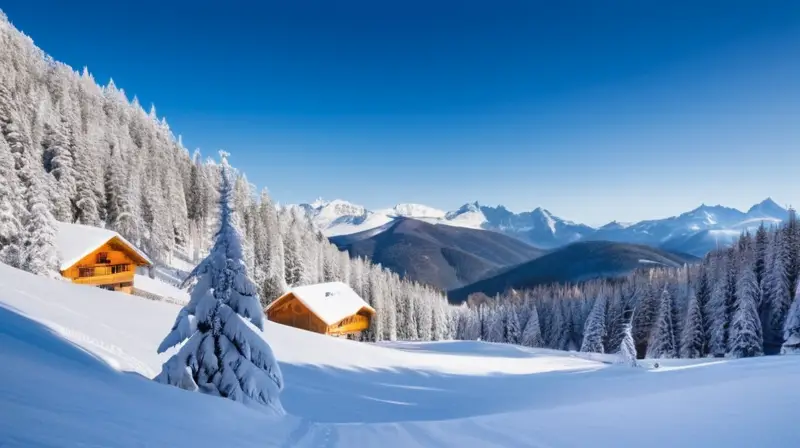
(73, 151)
(740, 301)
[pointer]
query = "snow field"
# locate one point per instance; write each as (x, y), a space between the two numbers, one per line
(69, 351)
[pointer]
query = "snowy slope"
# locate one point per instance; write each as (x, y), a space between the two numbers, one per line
(160, 288)
(343, 393)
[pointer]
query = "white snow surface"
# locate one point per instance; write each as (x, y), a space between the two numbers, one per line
(331, 302)
(160, 288)
(75, 241)
(373, 220)
(414, 211)
(75, 361)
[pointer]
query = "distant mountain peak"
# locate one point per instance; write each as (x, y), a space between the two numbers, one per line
(319, 203)
(411, 210)
(468, 207)
(615, 225)
(767, 208)
(687, 232)
(541, 211)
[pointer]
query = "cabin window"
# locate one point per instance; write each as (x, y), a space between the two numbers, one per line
(120, 268)
(102, 258)
(85, 272)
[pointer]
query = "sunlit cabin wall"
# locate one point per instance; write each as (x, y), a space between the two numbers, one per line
(108, 266)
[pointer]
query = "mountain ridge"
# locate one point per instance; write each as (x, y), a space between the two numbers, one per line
(581, 261)
(694, 232)
(442, 256)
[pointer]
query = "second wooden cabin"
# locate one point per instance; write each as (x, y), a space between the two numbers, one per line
(328, 308)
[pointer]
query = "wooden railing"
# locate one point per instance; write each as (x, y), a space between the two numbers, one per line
(349, 325)
(104, 275)
(96, 271)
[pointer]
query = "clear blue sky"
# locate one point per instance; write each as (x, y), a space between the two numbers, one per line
(595, 110)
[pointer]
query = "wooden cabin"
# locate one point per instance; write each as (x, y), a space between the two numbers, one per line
(98, 257)
(328, 308)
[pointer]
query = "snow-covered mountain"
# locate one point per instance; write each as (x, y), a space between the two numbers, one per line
(695, 232)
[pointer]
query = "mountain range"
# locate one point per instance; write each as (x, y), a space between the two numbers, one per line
(443, 256)
(694, 232)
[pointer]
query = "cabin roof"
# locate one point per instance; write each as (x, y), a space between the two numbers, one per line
(331, 302)
(75, 241)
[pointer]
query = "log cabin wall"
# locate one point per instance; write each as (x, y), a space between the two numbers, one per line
(109, 266)
(293, 313)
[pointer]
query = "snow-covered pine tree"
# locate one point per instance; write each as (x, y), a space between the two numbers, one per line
(693, 339)
(791, 251)
(292, 250)
(791, 332)
(87, 189)
(595, 330)
(222, 355)
(717, 315)
(10, 204)
(39, 253)
(745, 338)
(513, 331)
(703, 296)
(776, 292)
(377, 289)
(532, 334)
(662, 341)
(627, 349)
(760, 254)
(273, 260)
(58, 161)
(646, 312)
(615, 319)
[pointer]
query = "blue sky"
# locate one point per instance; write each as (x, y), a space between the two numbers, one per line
(595, 110)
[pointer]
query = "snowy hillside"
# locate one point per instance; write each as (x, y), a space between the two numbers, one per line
(694, 232)
(68, 352)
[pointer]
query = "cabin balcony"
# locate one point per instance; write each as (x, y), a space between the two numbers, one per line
(351, 324)
(104, 275)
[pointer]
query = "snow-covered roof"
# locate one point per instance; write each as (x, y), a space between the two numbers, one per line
(75, 241)
(331, 302)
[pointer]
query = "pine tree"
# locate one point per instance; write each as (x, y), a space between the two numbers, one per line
(595, 329)
(645, 316)
(746, 339)
(791, 251)
(627, 350)
(718, 317)
(58, 161)
(693, 339)
(615, 322)
(662, 342)
(292, 249)
(39, 253)
(10, 207)
(703, 297)
(222, 355)
(532, 334)
(513, 330)
(791, 332)
(776, 292)
(760, 253)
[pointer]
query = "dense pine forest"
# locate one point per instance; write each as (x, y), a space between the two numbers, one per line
(739, 302)
(73, 151)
